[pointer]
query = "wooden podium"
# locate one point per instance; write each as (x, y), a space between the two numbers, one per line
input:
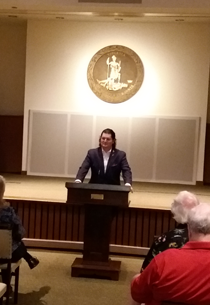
(100, 201)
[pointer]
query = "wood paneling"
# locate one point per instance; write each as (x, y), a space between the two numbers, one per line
(59, 221)
(11, 137)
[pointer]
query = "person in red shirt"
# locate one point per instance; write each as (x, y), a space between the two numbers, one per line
(179, 275)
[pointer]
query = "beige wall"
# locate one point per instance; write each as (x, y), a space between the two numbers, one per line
(208, 108)
(175, 58)
(12, 70)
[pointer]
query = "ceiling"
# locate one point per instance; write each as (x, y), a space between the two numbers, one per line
(114, 10)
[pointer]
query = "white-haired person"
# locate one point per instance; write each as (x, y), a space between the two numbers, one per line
(177, 237)
(179, 275)
(9, 217)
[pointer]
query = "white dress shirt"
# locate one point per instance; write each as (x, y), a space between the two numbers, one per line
(106, 155)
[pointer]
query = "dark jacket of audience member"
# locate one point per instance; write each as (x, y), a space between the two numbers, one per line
(177, 237)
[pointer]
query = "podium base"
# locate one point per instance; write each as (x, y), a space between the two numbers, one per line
(109, 270)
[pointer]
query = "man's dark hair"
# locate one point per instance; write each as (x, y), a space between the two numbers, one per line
(112, 133)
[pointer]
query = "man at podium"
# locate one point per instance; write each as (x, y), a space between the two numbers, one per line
(101, 199)
(106, 162)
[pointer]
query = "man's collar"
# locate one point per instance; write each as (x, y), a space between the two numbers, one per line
(190, 245)
(106, 152)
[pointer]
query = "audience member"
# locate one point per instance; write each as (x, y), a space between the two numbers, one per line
(179, 275)
(8, 216)
(177, 237)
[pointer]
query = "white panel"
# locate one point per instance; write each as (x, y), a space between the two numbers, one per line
(158, 149)
(142, 148)
(80, 140)
(47, 143)
(177, 150)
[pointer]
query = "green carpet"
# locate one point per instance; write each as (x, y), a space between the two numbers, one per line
(50, 283)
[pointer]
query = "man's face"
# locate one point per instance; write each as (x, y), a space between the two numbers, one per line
(106, 141)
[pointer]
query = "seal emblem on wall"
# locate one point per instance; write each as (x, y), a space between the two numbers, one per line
(115, 73)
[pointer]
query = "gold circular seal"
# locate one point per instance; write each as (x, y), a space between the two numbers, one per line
(115, 73)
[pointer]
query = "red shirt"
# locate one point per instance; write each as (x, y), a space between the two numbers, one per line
(179, 275)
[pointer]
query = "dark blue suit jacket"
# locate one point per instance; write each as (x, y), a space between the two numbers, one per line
(117, 163)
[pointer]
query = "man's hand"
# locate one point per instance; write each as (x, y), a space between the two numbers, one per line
(77, 181)
(128, 184)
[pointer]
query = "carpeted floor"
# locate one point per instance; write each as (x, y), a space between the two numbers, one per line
(50, 283)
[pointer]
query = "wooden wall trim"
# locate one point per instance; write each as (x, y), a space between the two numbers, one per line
(132, 227)
(78, 246)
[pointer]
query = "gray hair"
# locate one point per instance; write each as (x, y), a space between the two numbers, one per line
(199, 219)
(2, 187)
(182, 204)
